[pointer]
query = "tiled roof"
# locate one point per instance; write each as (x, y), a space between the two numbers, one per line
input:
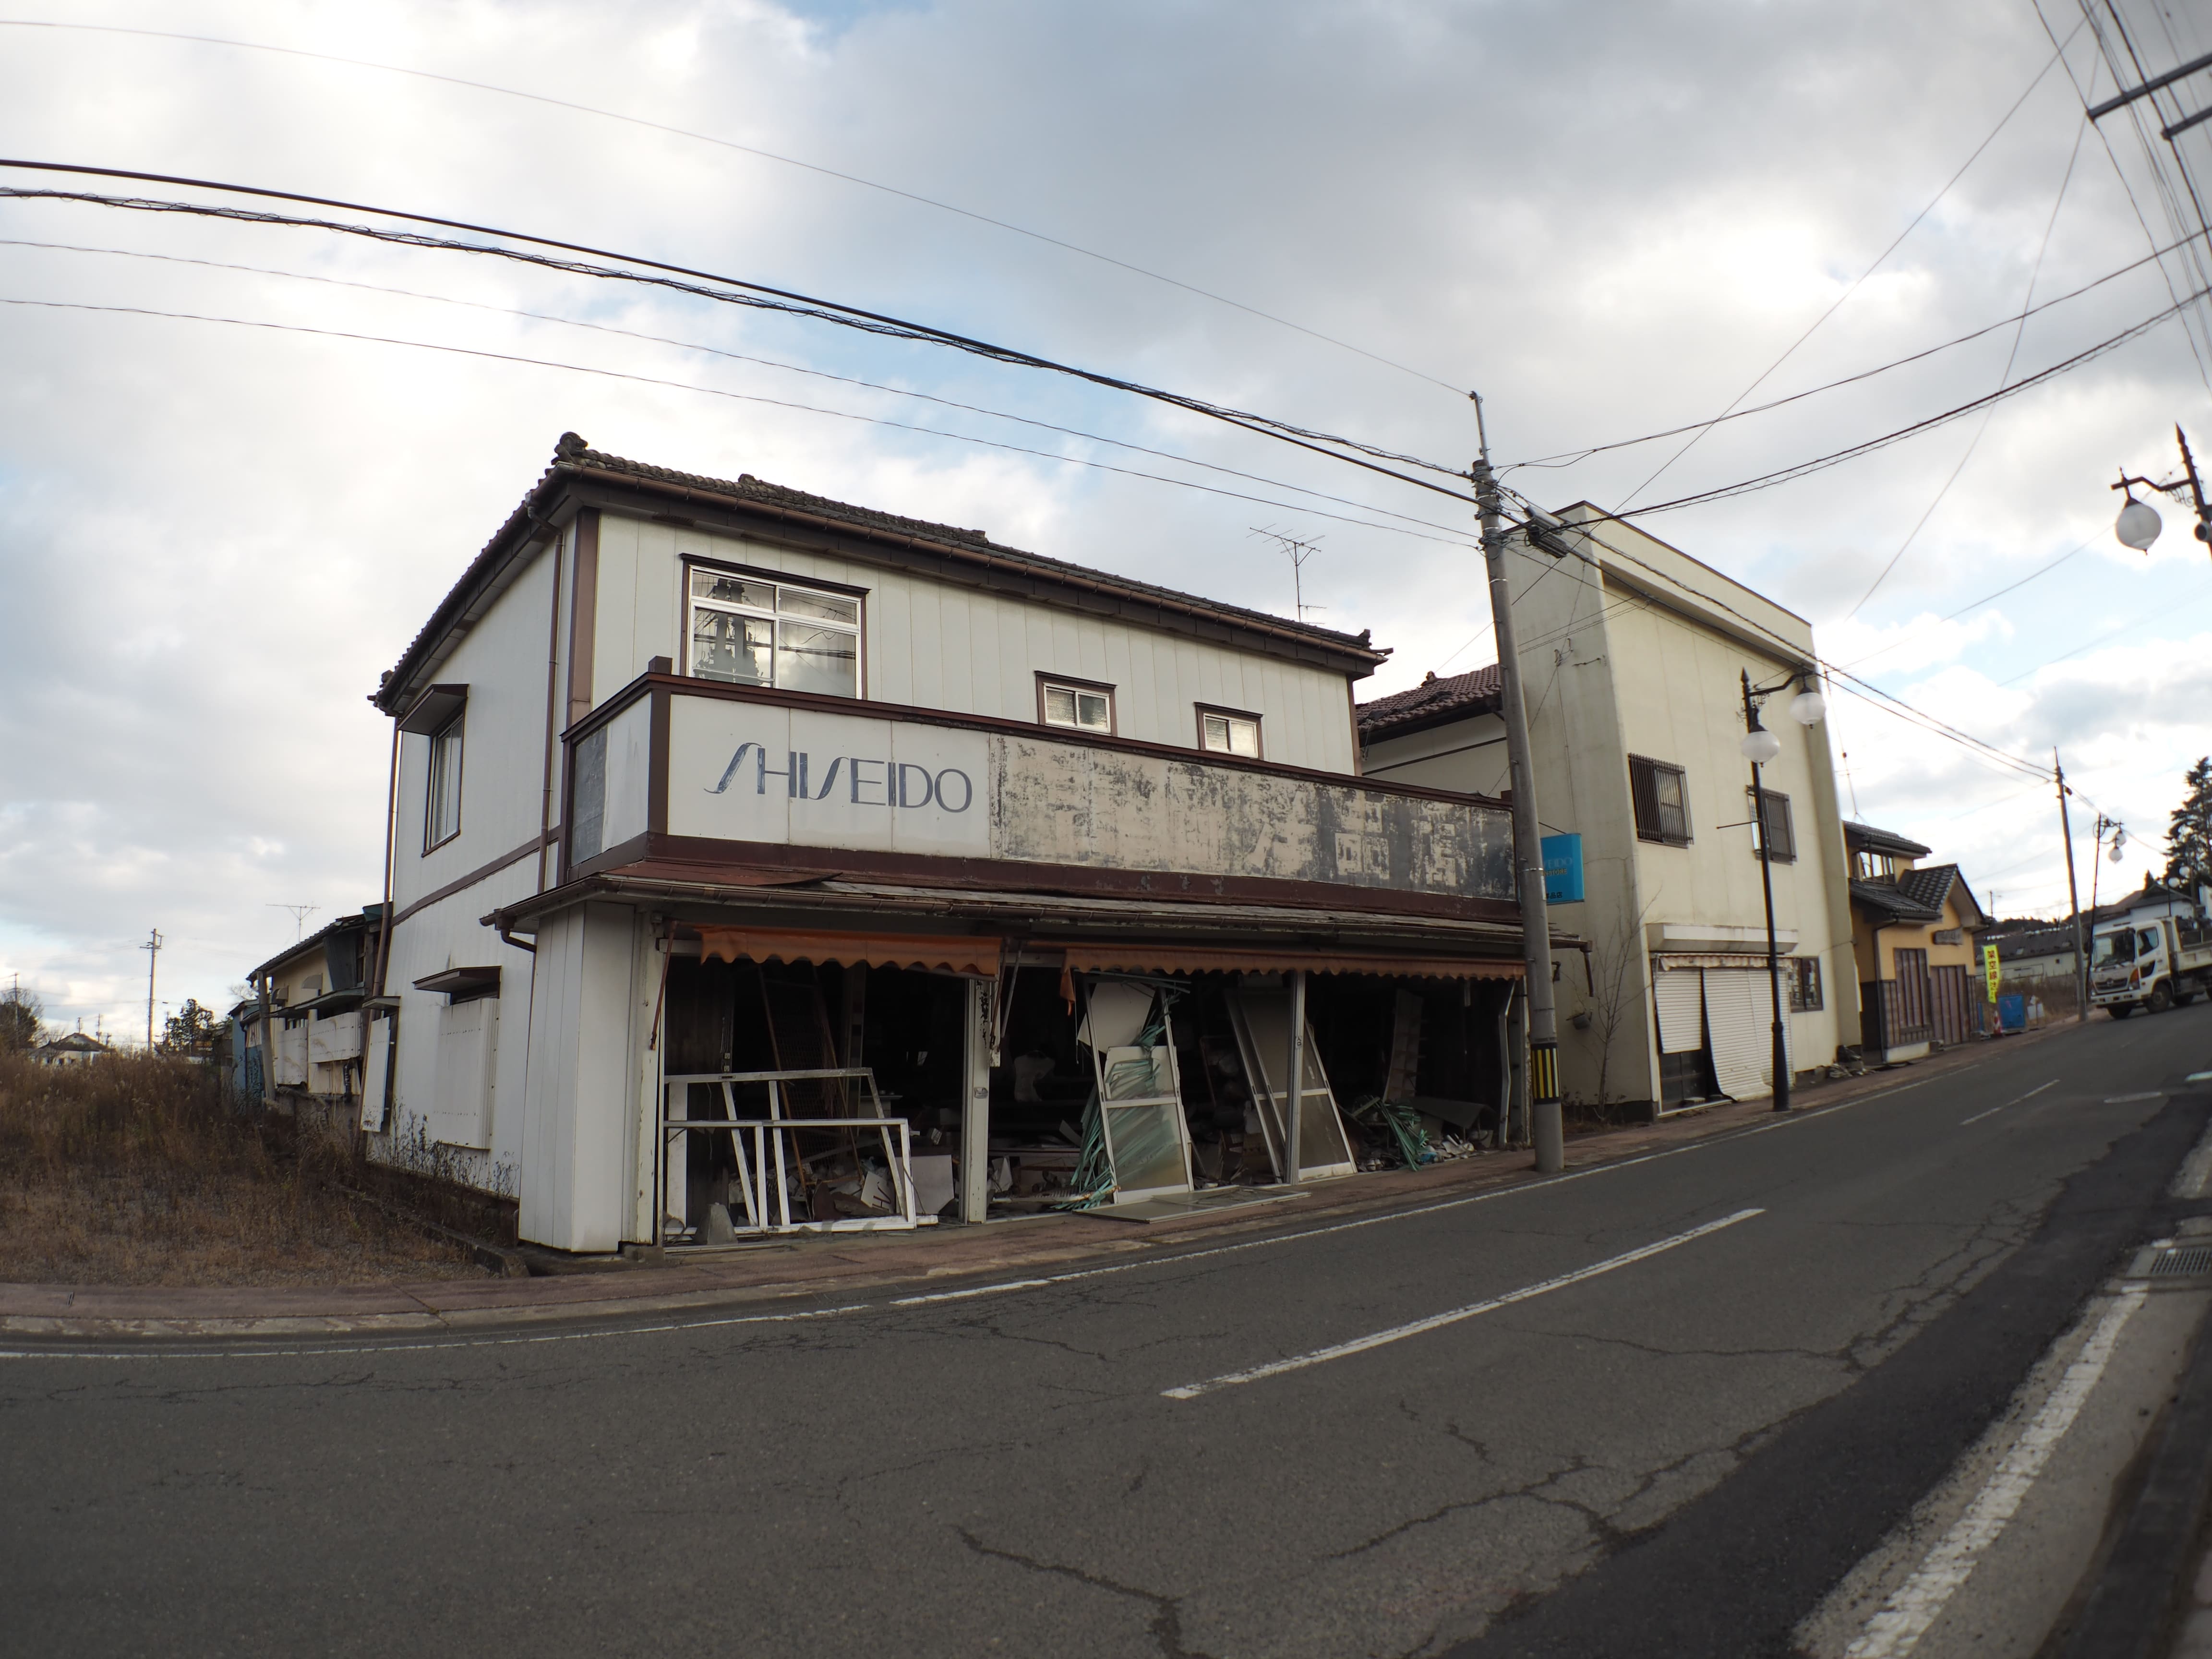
(573, 458)
(1930, 886)
(1893, 901)
(1433, 702)
(1865, 838)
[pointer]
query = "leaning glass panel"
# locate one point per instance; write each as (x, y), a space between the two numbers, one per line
(1145, 1146)
(730, 648)
(824, 659)
(797, 602)
(723, 588)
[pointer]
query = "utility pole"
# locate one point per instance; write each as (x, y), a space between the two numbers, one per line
(2073, 892)
(152, 947)
(1546, 1127)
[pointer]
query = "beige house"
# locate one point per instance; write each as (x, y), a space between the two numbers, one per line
(1921, 980)
(1632, 654)
(301, 1031)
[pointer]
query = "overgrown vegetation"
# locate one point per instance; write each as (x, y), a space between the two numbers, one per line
(141, 1170)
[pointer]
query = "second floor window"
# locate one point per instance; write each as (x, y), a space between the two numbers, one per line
(1078, 704)
(1773, 828)
(1662, 803)
(748, 630)
(1228, 733)
(441, 815)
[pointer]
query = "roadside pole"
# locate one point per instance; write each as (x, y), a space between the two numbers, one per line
(1546, 1126)
(1780, 1062)
(2073, 892)
(1294, 1084)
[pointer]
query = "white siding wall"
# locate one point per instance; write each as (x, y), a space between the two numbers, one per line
(580, 1144)
(936, 645)
(502, 662)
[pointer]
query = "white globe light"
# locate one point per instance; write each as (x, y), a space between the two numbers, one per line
(2115, 854)
(1761, 746)
(2139, 525)
(2119, 840)
(1809, 709)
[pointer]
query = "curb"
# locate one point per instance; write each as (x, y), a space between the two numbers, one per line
(831, 1266)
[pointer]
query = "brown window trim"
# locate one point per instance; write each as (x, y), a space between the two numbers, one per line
(429, 782)
(761, 573)
(1074, 683)
(1201, 710)
(1658, 837)
(689, 561)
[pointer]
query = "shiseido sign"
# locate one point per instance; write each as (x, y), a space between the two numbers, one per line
(745, 772)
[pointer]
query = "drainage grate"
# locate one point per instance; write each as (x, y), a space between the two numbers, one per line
(2184, 1262)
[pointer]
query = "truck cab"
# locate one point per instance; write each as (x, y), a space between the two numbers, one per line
(2150, 962)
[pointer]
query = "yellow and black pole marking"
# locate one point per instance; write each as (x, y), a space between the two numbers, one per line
(1543, 1072)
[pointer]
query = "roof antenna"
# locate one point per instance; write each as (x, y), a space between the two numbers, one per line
(1852, 787)
(1299, 551)
(299, 914)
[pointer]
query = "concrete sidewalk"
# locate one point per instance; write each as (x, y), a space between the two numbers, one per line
(845, 1264)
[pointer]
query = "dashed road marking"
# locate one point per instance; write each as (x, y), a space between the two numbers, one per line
(1437, 1321)
(2030, 1095)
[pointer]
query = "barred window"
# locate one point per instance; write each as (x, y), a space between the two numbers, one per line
(1773, 827)
(1661, 800)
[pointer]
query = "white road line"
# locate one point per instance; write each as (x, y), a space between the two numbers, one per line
(2130, 1100)
(2200, 1077)
(979, 1290)
(1896, 1630)
(2194, 1175)
(2030, 1095)
(1437, 1321)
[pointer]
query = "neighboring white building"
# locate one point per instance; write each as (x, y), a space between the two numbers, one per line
(1630, 655)
(702, 777)
(298, 1037)
(77, 1048)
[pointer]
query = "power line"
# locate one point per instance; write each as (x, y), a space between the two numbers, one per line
(716, 391)
(685, 279)
(2003, 121)
(753, 150)
(717, 351)
(2005, 375)
(1975, 605)
(1566, 458)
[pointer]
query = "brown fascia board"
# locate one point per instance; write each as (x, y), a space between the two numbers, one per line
(571, 485)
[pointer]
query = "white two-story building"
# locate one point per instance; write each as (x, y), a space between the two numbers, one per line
(709, 789)
(1633, 656)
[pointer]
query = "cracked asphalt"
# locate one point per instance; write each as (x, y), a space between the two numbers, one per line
(1681, 1455)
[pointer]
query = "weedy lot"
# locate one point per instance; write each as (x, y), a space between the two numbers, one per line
(140, 1169)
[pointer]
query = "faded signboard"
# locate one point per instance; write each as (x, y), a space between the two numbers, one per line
(750, 772)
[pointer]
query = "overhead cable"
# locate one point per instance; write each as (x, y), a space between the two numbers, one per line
(746, 149)
(714, 392)
(727, 290)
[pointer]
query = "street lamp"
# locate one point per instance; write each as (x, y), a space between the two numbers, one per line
(2119, 840)
(1761, 746)
(2138, 524)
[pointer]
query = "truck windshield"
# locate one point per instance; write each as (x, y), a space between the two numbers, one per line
(2113, 947)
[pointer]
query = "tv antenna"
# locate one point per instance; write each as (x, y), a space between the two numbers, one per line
(299, 914)
(1299, 549)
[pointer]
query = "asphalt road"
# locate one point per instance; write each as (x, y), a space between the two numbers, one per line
(1678, 1455)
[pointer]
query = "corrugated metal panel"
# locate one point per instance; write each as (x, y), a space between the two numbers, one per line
(1737, 1021)
(1679, 995)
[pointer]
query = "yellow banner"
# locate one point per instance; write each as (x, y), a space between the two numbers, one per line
(1990, 967)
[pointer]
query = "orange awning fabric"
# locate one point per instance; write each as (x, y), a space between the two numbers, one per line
(932, 953)
(1141, 958)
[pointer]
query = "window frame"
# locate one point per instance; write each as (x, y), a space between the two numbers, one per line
(432, 796)
(1046, 681)
(1805, 990)
(1215, 711)
(1785, 851)
(774, 615)
(1657, 832)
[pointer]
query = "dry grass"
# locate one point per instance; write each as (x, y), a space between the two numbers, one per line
(140, 1170)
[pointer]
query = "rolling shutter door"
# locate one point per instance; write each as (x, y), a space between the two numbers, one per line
(1680, 1003)
(1736, 1016)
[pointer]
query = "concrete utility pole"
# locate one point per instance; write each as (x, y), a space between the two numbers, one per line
(152, 947)
(2073, 892)
(1546, 1127)
(1780, 1061)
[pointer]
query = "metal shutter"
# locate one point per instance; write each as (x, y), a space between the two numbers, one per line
(1680, 1000)
(1737, 1019)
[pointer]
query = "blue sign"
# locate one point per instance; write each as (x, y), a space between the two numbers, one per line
(1562, 869)
(2012, 1013)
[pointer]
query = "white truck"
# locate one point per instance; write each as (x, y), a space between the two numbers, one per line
(2150, 962)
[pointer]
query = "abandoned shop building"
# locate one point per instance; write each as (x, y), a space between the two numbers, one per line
(297, 1041)
(1633, 656)
(764, 862)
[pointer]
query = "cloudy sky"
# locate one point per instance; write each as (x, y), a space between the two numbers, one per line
(216, 528)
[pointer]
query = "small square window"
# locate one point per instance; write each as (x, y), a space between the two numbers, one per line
(1227, 733)
(1661, 797)
(1084, 708)
(1772, 827)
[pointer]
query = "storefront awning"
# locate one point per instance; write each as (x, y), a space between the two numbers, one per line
(946, 954)
(1135, 957)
